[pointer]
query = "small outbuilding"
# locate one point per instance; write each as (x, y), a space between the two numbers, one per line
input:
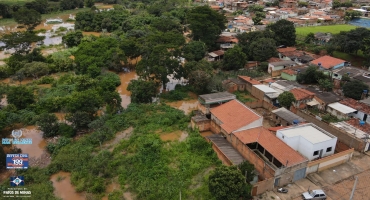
(341, 111)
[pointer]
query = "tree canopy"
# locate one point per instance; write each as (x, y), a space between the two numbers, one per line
(234, 59)
(284, 32)
(142, 91)
(206, 24)
(194, 50)
(355, 89)
(286, 99)
(20, 41)
(27, 17)
(227, 183)
(262, 49)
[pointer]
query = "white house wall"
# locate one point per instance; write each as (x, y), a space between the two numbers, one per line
(291, 141)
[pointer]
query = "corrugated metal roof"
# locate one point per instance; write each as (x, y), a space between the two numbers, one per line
(265, 88)
(341, 108)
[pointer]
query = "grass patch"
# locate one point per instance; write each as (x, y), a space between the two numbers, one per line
(244, 96)
(330, 118)
(325, 29)
(179, 93)
(15, 2)
(356, 60)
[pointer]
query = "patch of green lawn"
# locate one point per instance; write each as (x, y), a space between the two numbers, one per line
(15, 2)
(325, 29)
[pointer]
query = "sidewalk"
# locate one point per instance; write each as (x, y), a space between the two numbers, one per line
(337, 182)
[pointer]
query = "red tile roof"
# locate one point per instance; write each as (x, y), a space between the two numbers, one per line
(287, 49)
(356, 105)
(219, 52)
(273, 59)
(300, 93)
(234, 115)
(289, 71)
(249, 80)
(274, 129)
(224, 39)
(356, 123)
(328, 62)
(277, 148)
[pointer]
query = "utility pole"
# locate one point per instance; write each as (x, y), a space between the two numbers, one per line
(180, 194)
(353, 189)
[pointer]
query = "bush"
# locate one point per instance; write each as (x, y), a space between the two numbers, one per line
(66, 130)
(45, 80)
(180, 93)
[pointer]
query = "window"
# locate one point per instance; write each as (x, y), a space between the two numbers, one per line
(328, 149)
(315, 153)
(317, 195)
(277, 117)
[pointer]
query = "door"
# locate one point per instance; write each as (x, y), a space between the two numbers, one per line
(299, 174)
(276, 183)
(320, 155)
(365, 117)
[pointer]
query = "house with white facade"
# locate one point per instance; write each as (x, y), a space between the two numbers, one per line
(341, 111)
(309, 140)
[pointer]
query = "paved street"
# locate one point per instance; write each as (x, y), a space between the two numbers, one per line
(337, 182)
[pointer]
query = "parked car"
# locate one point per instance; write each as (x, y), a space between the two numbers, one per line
(314, 195)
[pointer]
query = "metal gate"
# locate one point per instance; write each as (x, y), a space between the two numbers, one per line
(299, 174)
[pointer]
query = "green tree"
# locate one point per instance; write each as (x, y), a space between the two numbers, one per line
(246, 167)
(35, 69)
(27, 17)
(103, 52)
(89, 3)
(303, 4)
(286, 99)
(284, 32)
(255, 8)
(40, 6)
(20, 96)
(5, 10)
(326, 84)
(262, 49)
(336, 4)
(194, 50)
(20, 41)
(226, 183)
(310, 38)
(142, 91)
(345, 78)
(73, 38)
(258, 17)
(48, 124)
(159, 64)
(206, 24)
(80, 119)
(234, 59)
(354, 89)
(88, 101)
(2, 158)
(351, 14)
(199, 81)
(202, 65)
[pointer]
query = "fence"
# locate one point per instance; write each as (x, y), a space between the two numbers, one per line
(329, 161)
(263, 186)
(344, 137)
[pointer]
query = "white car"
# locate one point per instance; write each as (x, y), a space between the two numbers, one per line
(314, 195)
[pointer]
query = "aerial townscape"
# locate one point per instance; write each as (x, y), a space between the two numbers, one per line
(185, 99)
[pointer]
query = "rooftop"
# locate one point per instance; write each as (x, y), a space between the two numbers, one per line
(327, 97)
(216, 53)
(277, 148)
(301, 94)
(357, 130)
(309, 132)
(234, 115)
(341, 108)
(351, 71)
(249, 80)
(286, 49)
(225, 39)
(265, 88)
(289, 72)
(327, 62)
(216, 97)
(226, 148)
(289, 84)
(285, 62)
(356, 105)
(287, 115)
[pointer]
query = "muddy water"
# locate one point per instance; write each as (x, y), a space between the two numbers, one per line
(12, 82)
(97, 34)
(38, 145)
(206, 133)
(110, 188)
(187, 105)
(64, 188)
(170, 136)
(122, 89)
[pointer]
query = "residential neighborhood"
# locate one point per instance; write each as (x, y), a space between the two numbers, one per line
(203, 99)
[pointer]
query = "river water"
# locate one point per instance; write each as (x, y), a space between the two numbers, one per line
(362, 22)
(63, 187)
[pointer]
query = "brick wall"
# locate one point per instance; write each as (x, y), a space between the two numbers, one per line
(342, 136)
(263, 186)
(201, 126)
(261, 104)
(215, 128)
(221, 156)
(263, 168)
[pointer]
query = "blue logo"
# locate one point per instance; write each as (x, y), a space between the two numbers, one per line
(17, 134)
(16, 181)
(16, 161)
